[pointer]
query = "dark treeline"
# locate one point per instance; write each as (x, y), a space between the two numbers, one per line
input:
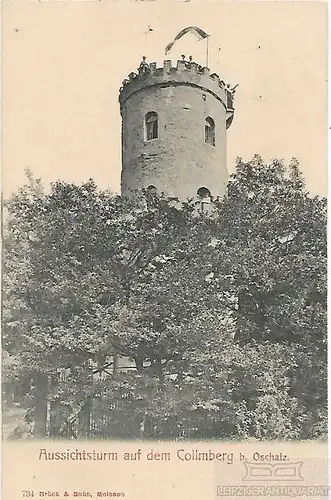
(163, 320)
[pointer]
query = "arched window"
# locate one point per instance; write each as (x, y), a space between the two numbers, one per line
(205, 198)
(210, 131)
(150, 196)
(151, 126)
(204, 192)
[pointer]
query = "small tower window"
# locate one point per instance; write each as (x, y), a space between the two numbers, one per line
(210, 131)
(150, 196)
(151, 126)
(205, 197)
(204, 192)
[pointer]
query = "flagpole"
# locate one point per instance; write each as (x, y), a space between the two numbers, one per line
(207, 51)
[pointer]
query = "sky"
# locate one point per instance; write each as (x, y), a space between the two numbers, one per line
(63, 63)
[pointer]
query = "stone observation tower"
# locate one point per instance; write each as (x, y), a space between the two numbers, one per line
(174, 123)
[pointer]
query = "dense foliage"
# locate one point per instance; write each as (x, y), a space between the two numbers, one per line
(218, 315)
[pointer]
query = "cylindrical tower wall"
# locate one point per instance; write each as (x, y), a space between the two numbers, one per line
(178, 161)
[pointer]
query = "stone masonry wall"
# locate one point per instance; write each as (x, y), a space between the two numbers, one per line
(179, 161)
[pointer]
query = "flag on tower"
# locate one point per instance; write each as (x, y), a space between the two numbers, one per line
(198, 32)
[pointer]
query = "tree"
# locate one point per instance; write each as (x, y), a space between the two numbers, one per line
(207, 306)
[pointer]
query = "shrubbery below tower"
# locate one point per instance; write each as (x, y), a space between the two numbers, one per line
(174, 123)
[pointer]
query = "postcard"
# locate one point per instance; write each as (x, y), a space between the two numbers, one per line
(164, 270)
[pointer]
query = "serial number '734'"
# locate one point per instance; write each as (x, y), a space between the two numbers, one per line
(27, 493)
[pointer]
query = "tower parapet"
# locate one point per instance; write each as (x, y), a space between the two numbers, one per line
(174, 122)
(185, 73)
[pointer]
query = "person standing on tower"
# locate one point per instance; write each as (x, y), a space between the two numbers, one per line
(188, 64)
(229, 97)
(143, 67)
